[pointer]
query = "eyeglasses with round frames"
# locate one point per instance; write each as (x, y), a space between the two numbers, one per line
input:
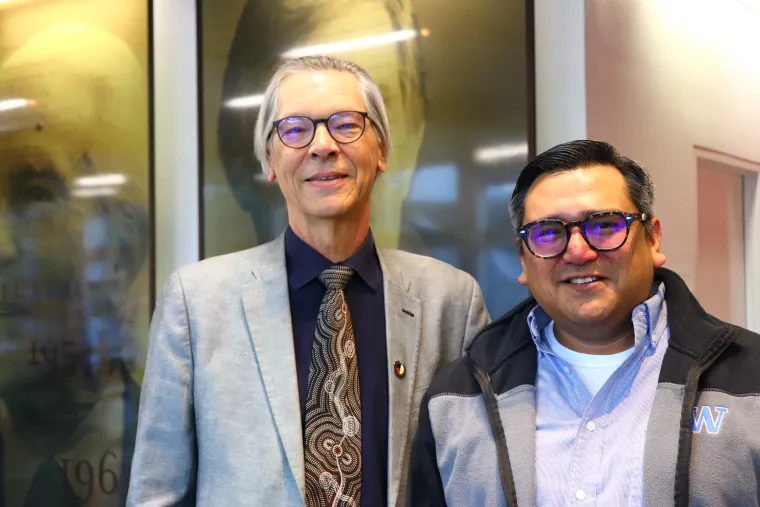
(344, 127)
(604, 231)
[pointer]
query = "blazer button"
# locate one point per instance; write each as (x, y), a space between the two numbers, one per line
(400, 369)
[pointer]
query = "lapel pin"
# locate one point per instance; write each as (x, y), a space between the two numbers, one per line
(400, 369)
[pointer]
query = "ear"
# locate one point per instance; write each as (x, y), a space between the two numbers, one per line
(382, 163)
(271, 176)
(654, 239)
(523, 278)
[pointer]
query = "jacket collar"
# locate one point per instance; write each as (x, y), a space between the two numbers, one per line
(692, 330)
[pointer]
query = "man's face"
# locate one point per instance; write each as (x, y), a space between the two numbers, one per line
(626, 274)
(355, 165)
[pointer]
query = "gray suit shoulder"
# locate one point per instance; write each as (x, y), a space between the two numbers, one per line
(430, 270)
(224, 270)
(422, 262)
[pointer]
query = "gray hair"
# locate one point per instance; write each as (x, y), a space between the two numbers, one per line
(373, 100)
(578, 154)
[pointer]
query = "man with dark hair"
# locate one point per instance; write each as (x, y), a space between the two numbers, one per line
(611, 386)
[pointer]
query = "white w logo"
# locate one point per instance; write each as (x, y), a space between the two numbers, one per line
(706, 420)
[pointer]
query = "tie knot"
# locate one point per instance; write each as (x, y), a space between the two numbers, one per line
(336, 277)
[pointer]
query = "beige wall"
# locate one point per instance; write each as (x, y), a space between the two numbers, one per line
(664, 76)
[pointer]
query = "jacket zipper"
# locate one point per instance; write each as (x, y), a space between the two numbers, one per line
(502, 453)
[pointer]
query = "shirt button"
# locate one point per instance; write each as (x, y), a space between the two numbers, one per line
(580, 494)
(566, 369)
(591, 426)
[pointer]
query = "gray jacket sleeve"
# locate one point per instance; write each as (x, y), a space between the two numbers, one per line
(477, 316)
(165, 459)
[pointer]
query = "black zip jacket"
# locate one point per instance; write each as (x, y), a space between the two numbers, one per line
(708, 363)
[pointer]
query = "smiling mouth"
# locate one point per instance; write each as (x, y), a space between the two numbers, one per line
(583, 280)
(328, 178)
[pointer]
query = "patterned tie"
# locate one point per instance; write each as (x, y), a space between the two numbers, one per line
(332, 447)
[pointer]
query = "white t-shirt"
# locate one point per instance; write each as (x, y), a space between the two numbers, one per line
(593, 369)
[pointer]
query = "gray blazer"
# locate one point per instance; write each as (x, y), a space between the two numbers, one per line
(219, 420)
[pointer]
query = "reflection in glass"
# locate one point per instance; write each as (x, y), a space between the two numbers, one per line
(457, 98)
(436, 184)
(73, 254)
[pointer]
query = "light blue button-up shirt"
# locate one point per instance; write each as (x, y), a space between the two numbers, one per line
(590, 450)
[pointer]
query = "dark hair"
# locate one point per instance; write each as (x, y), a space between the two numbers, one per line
(576, 155)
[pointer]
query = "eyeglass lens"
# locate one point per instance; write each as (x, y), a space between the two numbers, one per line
(604, 232)
(298, 131)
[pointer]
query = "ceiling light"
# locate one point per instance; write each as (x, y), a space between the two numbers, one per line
(101, 180)
(243, 102)
(10, 104)
(351, 45)
(499, 153)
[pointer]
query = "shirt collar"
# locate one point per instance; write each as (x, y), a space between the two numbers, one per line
(304, 263)
(645, 318)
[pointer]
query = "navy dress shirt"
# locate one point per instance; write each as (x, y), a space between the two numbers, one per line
(364, 295)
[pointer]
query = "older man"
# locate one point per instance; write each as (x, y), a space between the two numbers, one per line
(612, 386)
(292, 373)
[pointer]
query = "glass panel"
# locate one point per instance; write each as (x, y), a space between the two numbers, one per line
(75, 252)
(455, 79)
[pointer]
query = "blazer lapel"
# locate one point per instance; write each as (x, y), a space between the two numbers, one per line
(403, 317)
(267, 311)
